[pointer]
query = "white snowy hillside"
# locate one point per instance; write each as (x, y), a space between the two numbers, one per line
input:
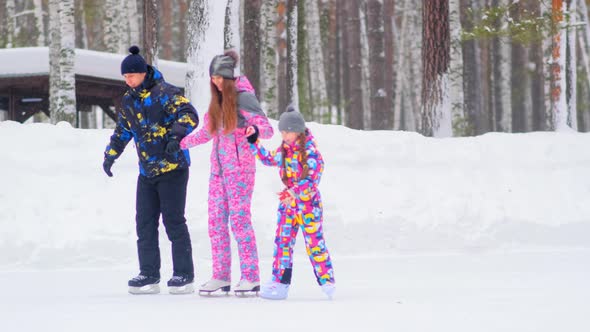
(488, 233)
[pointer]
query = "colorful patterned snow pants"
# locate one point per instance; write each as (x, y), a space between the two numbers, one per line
(230, 196)
(308, 215)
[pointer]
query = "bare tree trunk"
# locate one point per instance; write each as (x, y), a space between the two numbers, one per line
(269, 61)
(151, 24)
(132, 14)
(436, 117)
(66, 93)
(381, 116)
(10, 23)
(54, 47)
(292, 19)
(365, 72)
(81, 26)
(501, 79)
(197, 66)
(504, 88)
(283, 85)
(456, 70)
(571, 67)
(352, 64)
(472, 83)
(331, 40)
(113, 32)
(401, 64)
(232, 27)
(584, 42)
(303, 71)
(558, 78)
(166, 29)
(317, 75)
(38, 8)
(388, 70)
(518, 79)
(182, 31)
(251, 49)
(412, 118)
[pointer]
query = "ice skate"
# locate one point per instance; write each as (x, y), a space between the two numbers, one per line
(247, 288)
(274, 291)
(213, 285)
(144, 285)
(181, 285)
(329, 289)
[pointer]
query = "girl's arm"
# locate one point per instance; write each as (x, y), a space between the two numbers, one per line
(200, 137)
(268, 158)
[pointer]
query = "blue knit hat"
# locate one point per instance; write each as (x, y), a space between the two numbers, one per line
(133, 63)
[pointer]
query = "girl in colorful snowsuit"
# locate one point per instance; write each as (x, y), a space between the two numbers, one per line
(300, 168)
(232, 109)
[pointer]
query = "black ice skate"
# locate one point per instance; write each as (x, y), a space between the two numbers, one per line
(144, 285)
(181, 285)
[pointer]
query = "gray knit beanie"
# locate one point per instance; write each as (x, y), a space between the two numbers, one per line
(291, 121)
(224, 65)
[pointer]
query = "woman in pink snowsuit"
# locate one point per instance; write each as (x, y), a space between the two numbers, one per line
(233, 108)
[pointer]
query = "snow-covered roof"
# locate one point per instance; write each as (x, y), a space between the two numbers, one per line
(34, 61)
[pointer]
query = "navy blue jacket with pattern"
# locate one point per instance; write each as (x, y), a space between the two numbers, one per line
(153, 114)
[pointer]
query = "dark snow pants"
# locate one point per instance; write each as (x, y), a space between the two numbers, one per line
(166, 195)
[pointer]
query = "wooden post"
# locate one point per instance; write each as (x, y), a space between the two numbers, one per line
(12, 115)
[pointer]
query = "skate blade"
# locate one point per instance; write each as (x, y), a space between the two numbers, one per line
(186, 289)
(147, 289)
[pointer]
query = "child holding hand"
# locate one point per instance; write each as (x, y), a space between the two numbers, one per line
(300, 168)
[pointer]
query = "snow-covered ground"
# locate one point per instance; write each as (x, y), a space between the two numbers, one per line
(490, 233)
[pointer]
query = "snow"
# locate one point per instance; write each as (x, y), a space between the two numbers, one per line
(89, 63)
(487, 233)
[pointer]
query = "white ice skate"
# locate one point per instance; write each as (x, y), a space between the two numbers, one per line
(213, 286)
(245, 288)
(329, 289)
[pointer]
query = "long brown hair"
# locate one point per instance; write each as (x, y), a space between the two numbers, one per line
(302, 140)
(222, 108)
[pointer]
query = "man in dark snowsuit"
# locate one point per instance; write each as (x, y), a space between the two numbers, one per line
(157, 116)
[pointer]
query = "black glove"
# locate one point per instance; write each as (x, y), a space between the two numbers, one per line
(106, 165)
(254, 137)
(172, 147)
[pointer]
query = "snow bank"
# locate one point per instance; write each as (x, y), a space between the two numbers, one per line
(384, 193)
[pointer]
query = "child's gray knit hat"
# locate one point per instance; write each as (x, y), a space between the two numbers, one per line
(292, 121)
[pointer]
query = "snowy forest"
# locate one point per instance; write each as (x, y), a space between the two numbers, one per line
(438, 67)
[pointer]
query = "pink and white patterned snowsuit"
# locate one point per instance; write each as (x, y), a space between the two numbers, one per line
(233, 169)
